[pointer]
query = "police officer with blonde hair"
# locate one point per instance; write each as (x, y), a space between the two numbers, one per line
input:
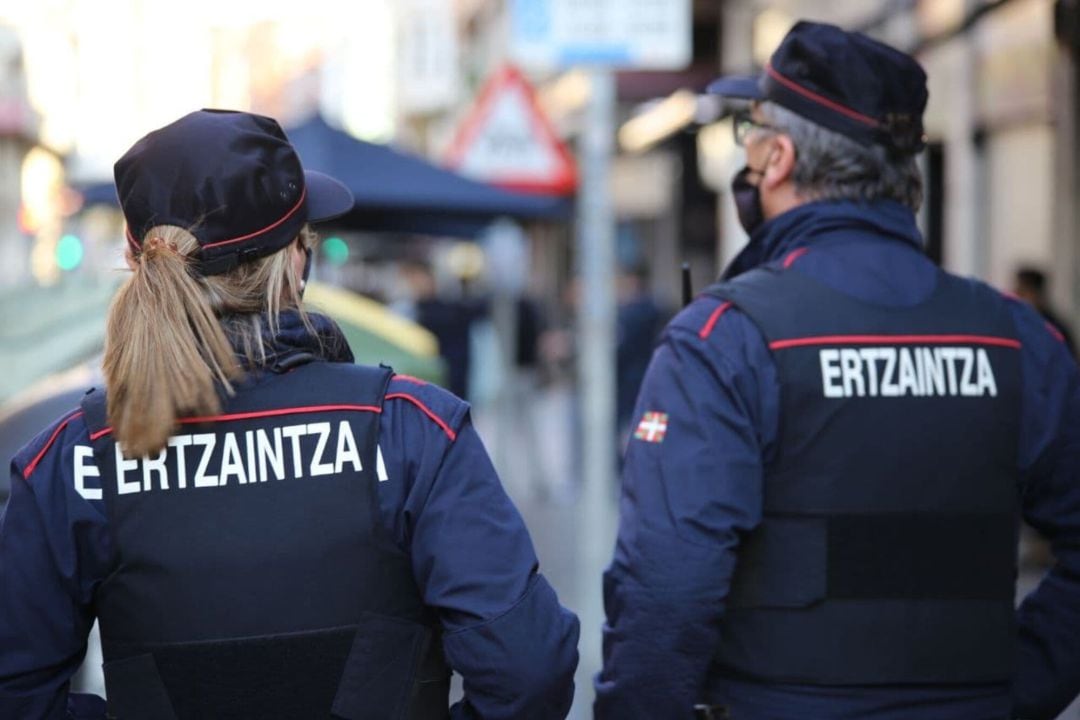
(835, 444)
(262, 528)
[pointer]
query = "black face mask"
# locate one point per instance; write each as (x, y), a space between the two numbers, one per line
(747, 199)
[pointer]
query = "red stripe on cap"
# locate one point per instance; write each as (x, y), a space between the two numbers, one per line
(56, 433)
(131, 240)
(268, 228)
(794, 255)
(707, 328)
(820, 99)
(895, 340)
(261, 414)
(427, 411)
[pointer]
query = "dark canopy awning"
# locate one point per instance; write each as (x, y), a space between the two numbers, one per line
(397, 191)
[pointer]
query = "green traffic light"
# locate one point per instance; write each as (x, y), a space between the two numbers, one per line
(69, 252)
(335, 250)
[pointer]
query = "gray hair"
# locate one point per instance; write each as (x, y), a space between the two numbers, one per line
(831, 166)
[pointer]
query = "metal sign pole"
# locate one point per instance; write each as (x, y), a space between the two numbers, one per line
(596, 252)
(596, 245)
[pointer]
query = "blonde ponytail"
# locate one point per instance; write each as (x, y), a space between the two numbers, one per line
(166, 354)
(173, 338)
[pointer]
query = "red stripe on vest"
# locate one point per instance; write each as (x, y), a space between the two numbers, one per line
(707, 328)
(427, 411)
(895, 340)
(56, 433)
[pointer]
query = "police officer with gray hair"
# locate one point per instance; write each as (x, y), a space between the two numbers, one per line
(836, 443)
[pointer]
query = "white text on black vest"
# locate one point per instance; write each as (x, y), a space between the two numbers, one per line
(207, 460)
(907, 371)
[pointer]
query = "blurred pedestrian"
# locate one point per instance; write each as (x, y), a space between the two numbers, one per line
(262, 528)
(522, 398)
(1030, 285)
(639, 320)
(835, 444)
(449, 320)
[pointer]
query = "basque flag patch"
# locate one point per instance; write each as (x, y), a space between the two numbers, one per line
(652, 428)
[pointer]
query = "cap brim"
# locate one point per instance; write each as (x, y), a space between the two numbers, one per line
(742, 86)
(327, 198)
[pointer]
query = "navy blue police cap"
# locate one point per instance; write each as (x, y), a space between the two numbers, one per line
(232, 179)
(844, 81)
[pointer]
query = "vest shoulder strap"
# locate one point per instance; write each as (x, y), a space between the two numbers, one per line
(95, 411)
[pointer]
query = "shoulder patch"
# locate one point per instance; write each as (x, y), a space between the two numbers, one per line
(652, 428)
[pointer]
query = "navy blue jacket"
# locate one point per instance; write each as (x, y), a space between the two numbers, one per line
(693, 489)
(439, 497)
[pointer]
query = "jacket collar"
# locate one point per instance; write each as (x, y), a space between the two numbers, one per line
(294, 344)
(826, 221)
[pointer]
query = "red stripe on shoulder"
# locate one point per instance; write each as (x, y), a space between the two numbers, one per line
(56, 433)
(794, 255)
(707, 328)
(409, 379)
(427, 411)
(1058, 335)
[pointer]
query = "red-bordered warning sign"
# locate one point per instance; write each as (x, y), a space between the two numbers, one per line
(506, 140)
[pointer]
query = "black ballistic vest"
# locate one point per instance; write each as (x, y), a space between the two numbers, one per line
(887, 552)
(254, 579)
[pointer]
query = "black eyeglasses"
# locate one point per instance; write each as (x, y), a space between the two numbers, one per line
(743, 125)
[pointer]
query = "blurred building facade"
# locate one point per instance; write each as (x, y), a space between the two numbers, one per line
(70, 89)
(1001, 172)
(1001, 167)
(665, 212)
(18, 136)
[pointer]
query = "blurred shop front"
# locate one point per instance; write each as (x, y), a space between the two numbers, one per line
(1001, 164)
(666, 212)
(992, 122)
(18, 138)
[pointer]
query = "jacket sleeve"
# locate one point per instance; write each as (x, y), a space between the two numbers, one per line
(53, 550)
(505, 632)
(689, 492)
(1048, 666)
